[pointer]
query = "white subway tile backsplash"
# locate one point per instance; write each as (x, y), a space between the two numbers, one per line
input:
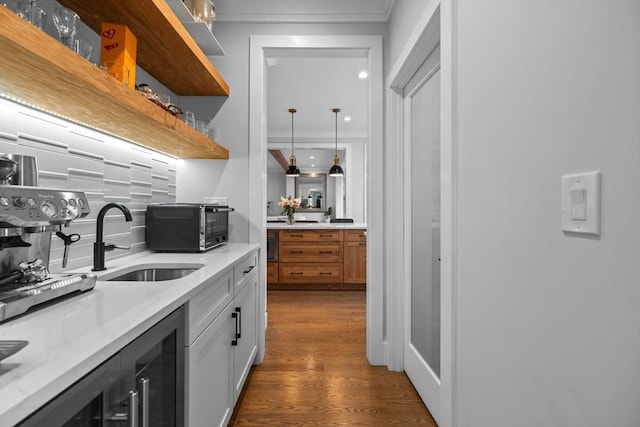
(87, 142)
(8, 121)
(8, 146)
(48, 161)
(106, 168)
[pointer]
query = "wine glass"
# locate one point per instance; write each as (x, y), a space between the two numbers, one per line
(32, 13)
(66, 22)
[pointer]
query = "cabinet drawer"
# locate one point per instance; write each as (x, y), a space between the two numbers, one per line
(272, 272)
(310, 235)
(310, 252)
(310, 272)
(207, 304)
(355, 235)
(244, 269)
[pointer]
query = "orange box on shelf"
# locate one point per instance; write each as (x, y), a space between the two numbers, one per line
(118, 52)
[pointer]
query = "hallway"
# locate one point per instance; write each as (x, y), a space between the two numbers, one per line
(315, 370)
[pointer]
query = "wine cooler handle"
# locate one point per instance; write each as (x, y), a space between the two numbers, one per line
(144, 399)
(234, 341)
(133, 408)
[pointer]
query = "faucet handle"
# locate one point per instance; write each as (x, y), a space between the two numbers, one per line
(111, 246)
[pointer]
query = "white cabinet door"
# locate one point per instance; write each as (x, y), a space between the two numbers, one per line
(209, 374)
(245, 305)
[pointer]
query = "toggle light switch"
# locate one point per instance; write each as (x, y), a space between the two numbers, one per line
(581, 203)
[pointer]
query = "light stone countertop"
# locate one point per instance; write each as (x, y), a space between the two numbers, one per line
(70, 338)
(316, 225)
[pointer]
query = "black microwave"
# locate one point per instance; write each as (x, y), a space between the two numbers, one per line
(186, 227)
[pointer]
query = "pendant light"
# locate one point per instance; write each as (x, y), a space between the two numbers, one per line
(336, 169)
(293, 169)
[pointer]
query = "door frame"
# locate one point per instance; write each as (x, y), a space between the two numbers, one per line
(436, 25)
(259, 46)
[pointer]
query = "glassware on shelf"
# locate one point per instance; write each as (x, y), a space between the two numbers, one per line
(203, 11)
(83, 48)
(32, 13)
(66, 22)
(189, 118)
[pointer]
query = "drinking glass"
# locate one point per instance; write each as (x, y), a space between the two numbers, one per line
(189, 118)
(32, 13)
(66, 22)
(83, 48)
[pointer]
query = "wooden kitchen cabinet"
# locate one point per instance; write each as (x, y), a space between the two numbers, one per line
(45, 74)
(326, 258)
(310, 256)
(272, 272)
(355, 256)
(310, 272)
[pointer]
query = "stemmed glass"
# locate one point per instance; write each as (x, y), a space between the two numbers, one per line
(32, 13)
(66, 22)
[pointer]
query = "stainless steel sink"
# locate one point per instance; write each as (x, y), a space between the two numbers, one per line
(151, 273)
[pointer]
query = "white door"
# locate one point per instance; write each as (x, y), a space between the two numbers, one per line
(422, 349)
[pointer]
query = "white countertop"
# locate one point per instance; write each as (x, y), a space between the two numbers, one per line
(316, 225)
(70, 338)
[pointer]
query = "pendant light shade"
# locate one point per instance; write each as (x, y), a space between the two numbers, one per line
(336, 169)
(293, 169)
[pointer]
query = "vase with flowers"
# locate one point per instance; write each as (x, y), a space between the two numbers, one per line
(289, 206)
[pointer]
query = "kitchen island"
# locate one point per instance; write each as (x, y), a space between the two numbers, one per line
(309, 255)
(71, 337)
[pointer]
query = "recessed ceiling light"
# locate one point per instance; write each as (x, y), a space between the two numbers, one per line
(363, 74)
(313, 166)
(311, 157)
(347, 119)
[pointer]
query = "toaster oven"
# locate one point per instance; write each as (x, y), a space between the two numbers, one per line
(186, 227)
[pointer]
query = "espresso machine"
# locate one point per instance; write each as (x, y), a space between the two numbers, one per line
(28, 216)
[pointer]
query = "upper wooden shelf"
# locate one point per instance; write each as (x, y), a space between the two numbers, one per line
(166, 50)
(38, 70)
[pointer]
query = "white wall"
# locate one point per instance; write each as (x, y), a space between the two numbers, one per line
(548, 324)
(402, 21)
(231, 177)
(276, 182)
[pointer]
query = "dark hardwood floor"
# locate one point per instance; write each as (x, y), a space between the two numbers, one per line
(315, 370)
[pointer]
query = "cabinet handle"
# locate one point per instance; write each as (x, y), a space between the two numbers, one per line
(133, 408)
(326, 236)
(247, 271)
(296, 252)
(326, 252)
(144, 400)
(326, 273)
(295, 235)
(234, 341)
(296, 273)
(239, 329)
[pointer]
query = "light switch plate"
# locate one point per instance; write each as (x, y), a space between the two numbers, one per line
(581, 214)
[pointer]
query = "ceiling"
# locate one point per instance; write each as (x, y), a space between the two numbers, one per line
(314, 86)
(314, 81)
(274, 11)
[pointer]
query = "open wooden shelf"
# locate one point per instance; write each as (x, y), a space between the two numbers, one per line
(36, 69)
(166, 50)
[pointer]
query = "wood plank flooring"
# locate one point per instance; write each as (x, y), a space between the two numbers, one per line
(315, 371)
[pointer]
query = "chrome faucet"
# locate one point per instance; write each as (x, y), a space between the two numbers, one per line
(99, 248)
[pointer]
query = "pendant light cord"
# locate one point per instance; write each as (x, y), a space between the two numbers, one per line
(292, 111)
